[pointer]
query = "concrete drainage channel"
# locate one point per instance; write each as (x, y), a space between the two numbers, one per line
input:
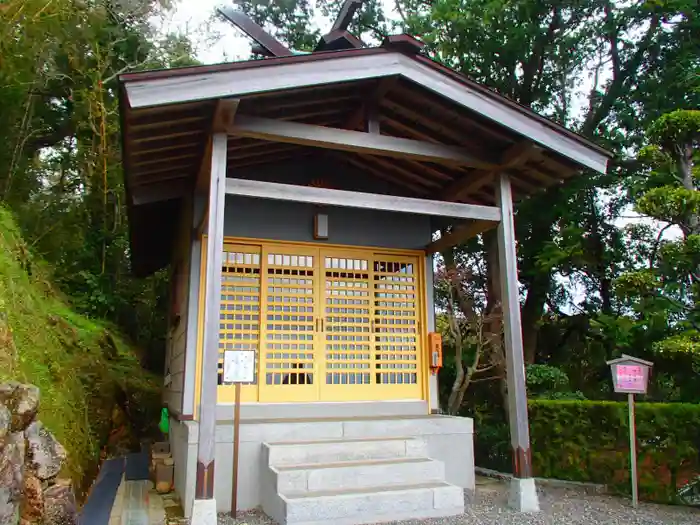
(125, 495)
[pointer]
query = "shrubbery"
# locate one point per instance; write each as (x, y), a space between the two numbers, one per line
(589, 441)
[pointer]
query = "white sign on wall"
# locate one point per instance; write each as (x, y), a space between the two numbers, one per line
(239, 366)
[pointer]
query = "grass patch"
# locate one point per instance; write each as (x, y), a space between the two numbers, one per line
(83, 367)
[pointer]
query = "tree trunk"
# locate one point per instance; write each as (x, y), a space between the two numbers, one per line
(685, 167)
(494, 327)
(532, 314)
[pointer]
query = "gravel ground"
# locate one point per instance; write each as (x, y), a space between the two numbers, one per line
(560, 506)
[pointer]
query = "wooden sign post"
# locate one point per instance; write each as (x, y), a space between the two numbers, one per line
(239, 367)
(631, 376)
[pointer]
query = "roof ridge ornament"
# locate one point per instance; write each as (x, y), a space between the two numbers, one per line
(267, 45)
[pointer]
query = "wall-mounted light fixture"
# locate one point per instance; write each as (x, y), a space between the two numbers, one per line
(321, 226)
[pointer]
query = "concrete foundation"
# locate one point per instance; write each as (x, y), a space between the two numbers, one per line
(203, 512)
(523, 495)
(447, 439)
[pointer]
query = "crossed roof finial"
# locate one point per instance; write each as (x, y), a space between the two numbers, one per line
(267, 45)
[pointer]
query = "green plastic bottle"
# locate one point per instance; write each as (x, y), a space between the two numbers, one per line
(164, 424)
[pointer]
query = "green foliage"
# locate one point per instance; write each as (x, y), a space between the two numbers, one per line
(549, 382)
(687, 342)
(589, 441)
(60, 160)
(669, 204)
(82, 366)
(677, 127)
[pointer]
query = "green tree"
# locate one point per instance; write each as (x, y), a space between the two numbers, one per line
(665, 292)
(60, 161)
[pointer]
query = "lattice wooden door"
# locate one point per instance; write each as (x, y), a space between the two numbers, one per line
(371, 327)
(239, 319)
(290, 328)
(397, 347)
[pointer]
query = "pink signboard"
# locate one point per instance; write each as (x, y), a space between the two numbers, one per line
(630, 377)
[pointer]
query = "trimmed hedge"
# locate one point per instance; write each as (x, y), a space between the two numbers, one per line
(589, 441)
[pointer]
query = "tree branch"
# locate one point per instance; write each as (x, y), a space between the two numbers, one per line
(655, 247)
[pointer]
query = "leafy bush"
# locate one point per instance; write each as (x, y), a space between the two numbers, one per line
(549, 382)
(589, 441)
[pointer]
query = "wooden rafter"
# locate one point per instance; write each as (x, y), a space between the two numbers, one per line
(302, 105)
(357, 161)
(167, 145)
(233, 156)
(444, 130)
(354, 141)
(256, 161)
(448, 113)
(163, 168)
(517, 154)
(371, 103)
(152, 124)
(160, 161)
(172, 175)
(392, 166)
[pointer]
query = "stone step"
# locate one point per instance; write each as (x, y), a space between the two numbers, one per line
(333, 450)
(347, 475)
(372, 504)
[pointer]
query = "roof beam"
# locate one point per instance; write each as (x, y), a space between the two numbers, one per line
(224, 113)
(459, 234)
(353, 141)
(373, 101)
(516, 155)
(264, 39)
(355, 199)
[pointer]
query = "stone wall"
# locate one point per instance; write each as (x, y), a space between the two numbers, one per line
(31, 489)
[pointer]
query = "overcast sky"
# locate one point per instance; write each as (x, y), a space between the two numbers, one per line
(215, 40)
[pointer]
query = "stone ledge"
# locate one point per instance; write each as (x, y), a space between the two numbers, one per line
(591, 488)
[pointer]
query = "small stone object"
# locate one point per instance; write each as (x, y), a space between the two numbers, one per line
(45, 454)
(168, 462)
(59, 505)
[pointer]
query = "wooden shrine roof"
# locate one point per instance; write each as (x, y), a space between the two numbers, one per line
(167, 120)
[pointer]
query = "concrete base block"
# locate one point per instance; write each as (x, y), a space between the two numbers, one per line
(203, 512)
(272, 442)
(523, 495)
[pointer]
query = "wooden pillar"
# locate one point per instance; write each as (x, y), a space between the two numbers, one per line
(214, 229)
(523, 495)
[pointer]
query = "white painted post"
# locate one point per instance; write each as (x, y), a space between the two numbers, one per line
(205, 504)
(633, 450)
(523, 493)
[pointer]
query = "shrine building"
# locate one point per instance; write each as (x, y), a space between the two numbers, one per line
(295, 200)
